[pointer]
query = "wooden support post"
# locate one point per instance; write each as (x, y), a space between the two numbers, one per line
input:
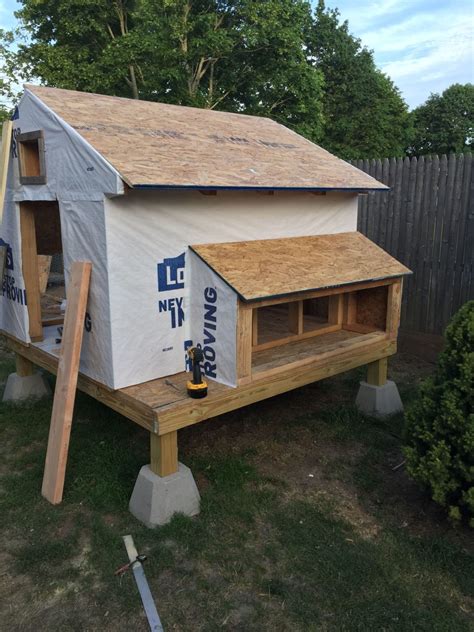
(24, 368)
(66, 382)
(295, 316)
(4, 160)
(29, 259)
(255, 327)
(164, 453)
(394, 305)
(244, 344)
(377, 372)
(336, 309)
(350, 308)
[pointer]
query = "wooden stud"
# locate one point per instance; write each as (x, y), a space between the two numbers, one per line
(377, 372)
(24, 367)
(350, 308)
(244, 344)
(254, 327)
(65, 391)
(4, 162)
(29, 258)
(394, 305)
(295, 317)
(164, 453)
(336, 309)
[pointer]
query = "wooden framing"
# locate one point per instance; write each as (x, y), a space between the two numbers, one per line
(164, 453)
(162, 406)
(29, 258)
(342, 314)
(31, 159)
(4, 160)
(377, 372)
(24, 368)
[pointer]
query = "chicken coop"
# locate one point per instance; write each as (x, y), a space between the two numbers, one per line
(221, 231)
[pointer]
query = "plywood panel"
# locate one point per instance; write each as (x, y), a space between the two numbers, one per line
(168, 145)
(277, 267)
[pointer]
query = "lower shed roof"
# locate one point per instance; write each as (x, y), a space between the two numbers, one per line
(272, 268)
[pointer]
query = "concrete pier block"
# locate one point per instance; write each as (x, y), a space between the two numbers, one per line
(155, 499)
(18, 388)
(379, 401)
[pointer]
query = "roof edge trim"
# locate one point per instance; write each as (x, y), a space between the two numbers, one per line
(196, 187)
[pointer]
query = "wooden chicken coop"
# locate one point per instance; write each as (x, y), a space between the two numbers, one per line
(204, 229)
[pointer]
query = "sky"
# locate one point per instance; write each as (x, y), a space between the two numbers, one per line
(424, 46)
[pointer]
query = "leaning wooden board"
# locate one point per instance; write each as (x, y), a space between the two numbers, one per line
(66, 382)
(4, 159)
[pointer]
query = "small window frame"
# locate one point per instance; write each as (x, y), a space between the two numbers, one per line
(30, 138)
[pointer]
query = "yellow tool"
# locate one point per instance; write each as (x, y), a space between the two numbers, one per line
(197, 387)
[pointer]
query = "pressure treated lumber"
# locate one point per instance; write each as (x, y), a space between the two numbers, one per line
(244, 345)
(377, 372)
(162, 405)
(394, 308)
(270, 268)
(4, 161)
(164, 453)
(29, 257)
(24, 367)
(219, 401)
(65, 391)
(157, 144)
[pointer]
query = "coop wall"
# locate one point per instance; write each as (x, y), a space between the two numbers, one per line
(77, 177)
(148, 234)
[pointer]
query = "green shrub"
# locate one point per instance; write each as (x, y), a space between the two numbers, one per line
(439, 430)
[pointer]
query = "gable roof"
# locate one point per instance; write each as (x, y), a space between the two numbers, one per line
(272, 268)
(165, 146)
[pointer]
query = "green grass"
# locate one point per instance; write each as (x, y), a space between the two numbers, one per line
(304, 525)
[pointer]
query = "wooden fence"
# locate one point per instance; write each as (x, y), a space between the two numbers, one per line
(426, 221)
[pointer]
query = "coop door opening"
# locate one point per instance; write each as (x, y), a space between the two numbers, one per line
(43, 271)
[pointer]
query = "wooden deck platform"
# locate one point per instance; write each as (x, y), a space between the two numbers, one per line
(162, 405)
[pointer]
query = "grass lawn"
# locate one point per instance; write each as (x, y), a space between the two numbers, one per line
(305, 525)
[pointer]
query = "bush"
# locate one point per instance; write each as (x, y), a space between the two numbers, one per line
(439, 430)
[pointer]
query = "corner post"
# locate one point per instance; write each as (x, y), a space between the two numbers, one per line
(164, 453)
(377, 372)
(24, 367)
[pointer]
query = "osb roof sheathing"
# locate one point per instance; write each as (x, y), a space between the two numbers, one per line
(161, 145)
(272, 268)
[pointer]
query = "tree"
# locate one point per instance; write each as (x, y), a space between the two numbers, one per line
(237, 55)
(445, 122)
(365, 116)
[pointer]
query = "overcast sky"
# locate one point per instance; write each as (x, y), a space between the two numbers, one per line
(423, 45)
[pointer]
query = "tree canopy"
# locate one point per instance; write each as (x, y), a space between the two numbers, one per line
(273, 58)
(445, 122)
